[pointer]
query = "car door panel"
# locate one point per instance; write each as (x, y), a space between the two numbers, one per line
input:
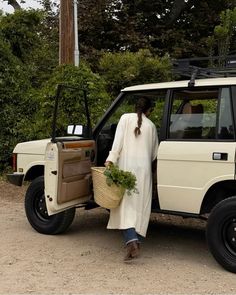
(186, 170)
(68, 174)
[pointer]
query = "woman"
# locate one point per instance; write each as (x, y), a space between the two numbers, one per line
(134, 148)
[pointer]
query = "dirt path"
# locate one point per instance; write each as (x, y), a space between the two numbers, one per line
(88, 258)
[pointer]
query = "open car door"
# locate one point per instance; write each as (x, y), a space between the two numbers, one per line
(68, 160)
(68, 174)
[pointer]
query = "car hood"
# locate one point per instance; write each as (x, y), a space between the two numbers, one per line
(36, 147)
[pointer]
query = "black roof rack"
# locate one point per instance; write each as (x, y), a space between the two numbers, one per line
(205, 72)
(197, 68)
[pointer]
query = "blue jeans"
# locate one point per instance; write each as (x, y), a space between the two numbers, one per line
(130, 235)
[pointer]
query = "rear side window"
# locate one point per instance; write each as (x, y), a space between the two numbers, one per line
(201, 114)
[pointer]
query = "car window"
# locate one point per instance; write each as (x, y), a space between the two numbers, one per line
(71, 109)
(194, 114)
(128, 104)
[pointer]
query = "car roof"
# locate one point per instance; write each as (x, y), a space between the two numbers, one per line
(180, 84)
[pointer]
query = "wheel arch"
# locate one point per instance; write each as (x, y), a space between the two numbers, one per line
(217, 193)
(34, 172)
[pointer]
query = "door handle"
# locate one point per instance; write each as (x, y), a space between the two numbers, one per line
(54, 172)
(220, 156)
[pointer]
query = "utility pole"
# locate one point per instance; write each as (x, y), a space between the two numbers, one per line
(66, 32)
(76, 47)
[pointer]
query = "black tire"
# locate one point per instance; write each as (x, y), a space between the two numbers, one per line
(36, 211)
(221, 233)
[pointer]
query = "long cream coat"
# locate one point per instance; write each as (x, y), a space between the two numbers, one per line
(134, 154)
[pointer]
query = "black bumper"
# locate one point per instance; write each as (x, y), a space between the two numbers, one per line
(15, 178)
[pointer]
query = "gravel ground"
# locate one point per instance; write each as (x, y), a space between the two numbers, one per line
(87, 259)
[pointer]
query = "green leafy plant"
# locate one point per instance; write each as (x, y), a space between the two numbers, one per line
(125, 179)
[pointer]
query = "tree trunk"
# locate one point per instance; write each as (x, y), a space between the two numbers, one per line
(14, 4)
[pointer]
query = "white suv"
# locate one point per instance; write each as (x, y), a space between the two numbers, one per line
(195, 175)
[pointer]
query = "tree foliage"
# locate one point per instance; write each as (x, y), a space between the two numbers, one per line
(71, 108)
(18, 29)
(224, 37)
(124, 69)
(14, 83)
(24, 64)
(172, 26)
(33, 38)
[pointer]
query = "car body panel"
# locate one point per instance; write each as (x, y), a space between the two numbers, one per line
(186, 170)
(181, 84)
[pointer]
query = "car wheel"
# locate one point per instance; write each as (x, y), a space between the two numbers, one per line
(221, 233)
(36, 211)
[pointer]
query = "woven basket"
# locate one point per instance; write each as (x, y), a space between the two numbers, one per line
(106, 196)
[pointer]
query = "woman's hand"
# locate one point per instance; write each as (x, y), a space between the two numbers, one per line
(108, 163)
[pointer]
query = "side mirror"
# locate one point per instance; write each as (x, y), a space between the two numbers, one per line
(75, 130)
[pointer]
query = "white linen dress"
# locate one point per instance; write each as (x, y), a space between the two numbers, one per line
(134, 154)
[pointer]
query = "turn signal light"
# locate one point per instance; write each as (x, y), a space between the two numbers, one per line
(14, 162)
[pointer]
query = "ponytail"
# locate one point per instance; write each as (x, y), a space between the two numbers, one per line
(137, 130)
(142, 106)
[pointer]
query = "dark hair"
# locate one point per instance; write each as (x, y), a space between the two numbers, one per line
(142, 106)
